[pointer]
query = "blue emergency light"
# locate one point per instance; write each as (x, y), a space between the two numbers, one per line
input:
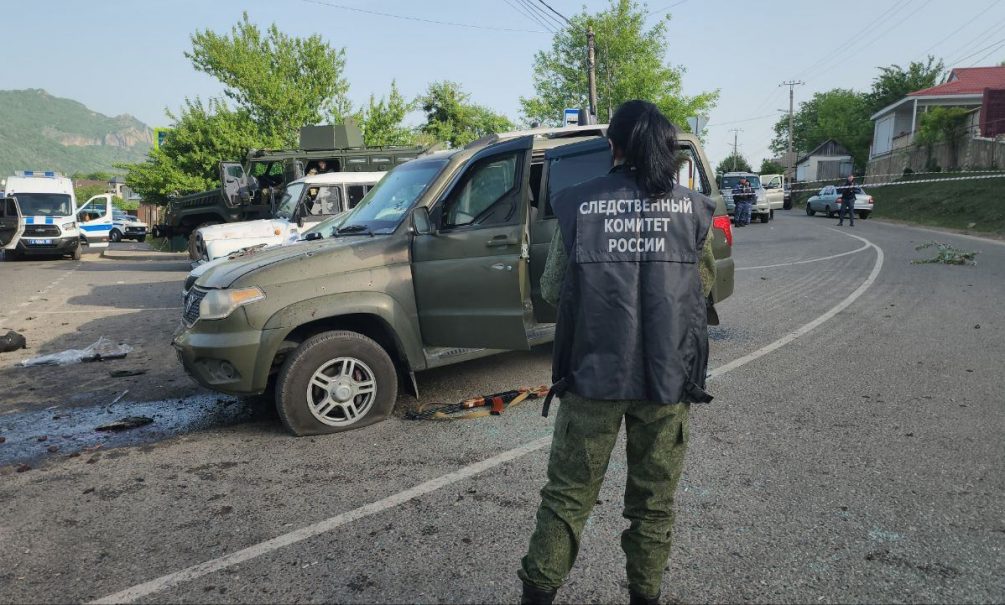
(37, 173)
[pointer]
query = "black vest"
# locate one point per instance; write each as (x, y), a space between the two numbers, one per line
(631, 316)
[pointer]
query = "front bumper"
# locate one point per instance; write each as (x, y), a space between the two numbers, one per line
(227, 355)
(131, 232)
(56, 245)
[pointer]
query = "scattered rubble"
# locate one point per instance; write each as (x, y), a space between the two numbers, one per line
(12, 341)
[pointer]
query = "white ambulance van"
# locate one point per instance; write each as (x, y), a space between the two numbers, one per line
(48, 215)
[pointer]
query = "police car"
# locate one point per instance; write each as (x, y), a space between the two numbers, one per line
(126, 226)
(39, 216)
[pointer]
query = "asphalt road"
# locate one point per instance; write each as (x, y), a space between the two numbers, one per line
(853, 453)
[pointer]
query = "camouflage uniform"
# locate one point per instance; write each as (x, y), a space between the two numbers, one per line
(585, 433)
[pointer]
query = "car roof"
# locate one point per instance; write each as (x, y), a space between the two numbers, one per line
(337, 178)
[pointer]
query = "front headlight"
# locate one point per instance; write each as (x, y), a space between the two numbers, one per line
(68, 226)
(219, 304)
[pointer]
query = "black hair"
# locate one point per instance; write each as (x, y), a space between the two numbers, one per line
(648, 142)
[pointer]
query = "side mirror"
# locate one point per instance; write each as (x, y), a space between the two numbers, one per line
(313, 235)
(421, 224)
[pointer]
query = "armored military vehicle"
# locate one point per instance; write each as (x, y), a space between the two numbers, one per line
(251, 190)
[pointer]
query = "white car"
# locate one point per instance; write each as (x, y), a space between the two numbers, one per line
(828, 201)
(126, 226)
(305, 202)
(774, 190)
(760, 208)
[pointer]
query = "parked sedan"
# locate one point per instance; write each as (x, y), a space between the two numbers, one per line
(829, 200)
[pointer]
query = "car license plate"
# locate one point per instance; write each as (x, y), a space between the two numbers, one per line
(39, 242)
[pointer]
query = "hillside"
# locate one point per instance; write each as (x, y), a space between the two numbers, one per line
(42, 132)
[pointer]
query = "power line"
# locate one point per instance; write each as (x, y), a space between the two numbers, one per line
(862, 47)
(958, 29)
(974, 54)
(768, 115)
(665, 8)
(548, 6)
(991, 52)
(421, 20)
(979, 38)
(543, 16)
(901, 4)
(519, 7)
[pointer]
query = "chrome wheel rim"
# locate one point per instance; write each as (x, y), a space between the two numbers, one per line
(341, 391)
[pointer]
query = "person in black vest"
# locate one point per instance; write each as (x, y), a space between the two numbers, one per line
(631, 267)
(847, 190)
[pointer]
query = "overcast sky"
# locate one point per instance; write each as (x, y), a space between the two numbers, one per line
(126, 56)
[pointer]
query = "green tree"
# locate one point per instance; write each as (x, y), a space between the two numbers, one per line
(86, 192)
(280, 82)
(729, 165)
(771, 167)
(839, 114)
(943, 125)
(452, 118)
(629, 63)
(894, 82)
(382, 121)
(189, 159)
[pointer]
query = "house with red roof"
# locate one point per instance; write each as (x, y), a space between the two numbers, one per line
(981, 89)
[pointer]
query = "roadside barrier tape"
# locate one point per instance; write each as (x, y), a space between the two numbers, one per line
(324, 526)
(917, 182)
(859, 179)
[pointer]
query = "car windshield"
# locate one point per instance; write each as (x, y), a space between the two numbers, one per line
(326, 226)
(381, 211)
(288, 203)
(45, 204)
(728, 182)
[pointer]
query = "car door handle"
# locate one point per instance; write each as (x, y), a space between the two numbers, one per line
(501, 240)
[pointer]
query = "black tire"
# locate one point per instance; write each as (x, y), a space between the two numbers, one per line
(864, 214)
(809, 211)
(194, 252)
(830, 214)
(310, 358)
(141, 238)
(765, 218)
(771, 214)
(115, 236)
(75, 255)
(10, 256)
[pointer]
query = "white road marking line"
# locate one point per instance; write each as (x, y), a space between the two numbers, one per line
(207, 567)
(201, 569)
(807, 328)
(803, 262)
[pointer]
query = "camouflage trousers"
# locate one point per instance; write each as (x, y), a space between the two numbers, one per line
(585, 433)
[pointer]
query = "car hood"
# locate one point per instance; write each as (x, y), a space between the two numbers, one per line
(131, 223)
(259, 228)
(228, 271)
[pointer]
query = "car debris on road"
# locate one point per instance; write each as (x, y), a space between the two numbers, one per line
(100, 350)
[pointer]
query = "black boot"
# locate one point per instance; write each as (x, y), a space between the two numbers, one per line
(635, 598)
(532, 595)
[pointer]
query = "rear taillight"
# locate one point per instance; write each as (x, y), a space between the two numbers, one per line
(722, 224)
(870, 199)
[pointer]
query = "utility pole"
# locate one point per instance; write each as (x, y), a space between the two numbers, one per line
(736, 132)
(591, 62)
(792, 85)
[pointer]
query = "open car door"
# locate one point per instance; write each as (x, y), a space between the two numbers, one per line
(11, 226)
(238, 187)
(472, 274)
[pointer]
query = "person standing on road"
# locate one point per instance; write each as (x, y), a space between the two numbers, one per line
(743, 197)
(630, 269)
(847, 189)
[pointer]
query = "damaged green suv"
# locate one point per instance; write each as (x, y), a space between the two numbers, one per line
(439, 263)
